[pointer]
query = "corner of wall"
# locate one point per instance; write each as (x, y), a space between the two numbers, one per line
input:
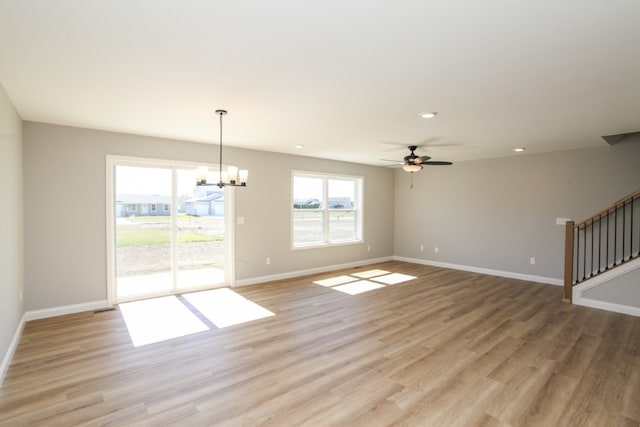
(12, 272)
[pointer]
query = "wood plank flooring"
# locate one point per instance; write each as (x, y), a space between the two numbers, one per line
(447, 348)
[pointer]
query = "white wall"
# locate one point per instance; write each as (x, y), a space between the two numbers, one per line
(65, 249)
(11, 223)
(497, 213)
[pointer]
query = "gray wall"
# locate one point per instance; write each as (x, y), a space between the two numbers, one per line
(65, 249)
(492, 214)
(497, 213)
(624, 290)
(11, 223)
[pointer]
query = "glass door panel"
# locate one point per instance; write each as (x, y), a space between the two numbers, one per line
(143, 231)
(200, 233)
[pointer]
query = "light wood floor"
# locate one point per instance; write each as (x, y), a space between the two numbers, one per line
(448, 348)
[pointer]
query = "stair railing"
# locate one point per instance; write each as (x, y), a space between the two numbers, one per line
(601, 242)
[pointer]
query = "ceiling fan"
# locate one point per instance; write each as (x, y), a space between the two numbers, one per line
(413, 163)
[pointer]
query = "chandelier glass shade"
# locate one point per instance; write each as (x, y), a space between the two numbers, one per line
(231, 177)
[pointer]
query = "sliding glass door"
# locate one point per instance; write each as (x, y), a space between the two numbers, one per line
(167, 235)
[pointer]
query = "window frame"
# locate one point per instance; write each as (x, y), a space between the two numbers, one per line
(358, 209)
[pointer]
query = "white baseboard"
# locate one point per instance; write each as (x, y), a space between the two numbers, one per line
(609, 306)
(66, 309)
(6, 360)
(300, 273)
(500, 273)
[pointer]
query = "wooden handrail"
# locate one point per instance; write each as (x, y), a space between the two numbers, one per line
(612, 206)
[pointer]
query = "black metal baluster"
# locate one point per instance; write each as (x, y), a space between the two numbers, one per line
(593, 227)
(606, 266)
(599, 242)
(584, 253)
(631, 237)
(624, 226)
(576, 250)
(578, 256)
(638, 232)
(615, 236)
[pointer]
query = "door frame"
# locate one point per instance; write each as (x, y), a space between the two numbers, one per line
(229, 195)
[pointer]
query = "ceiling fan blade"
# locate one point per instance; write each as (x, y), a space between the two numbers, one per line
(421, 159)
(399, 162)
(436, 163)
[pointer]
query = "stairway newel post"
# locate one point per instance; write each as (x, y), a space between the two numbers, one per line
(568, 261)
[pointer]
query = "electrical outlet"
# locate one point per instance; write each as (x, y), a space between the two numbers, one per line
(268, 260)
(368, 248)
(436, 250)
(20, 295)
(421, 247)
(532, 260)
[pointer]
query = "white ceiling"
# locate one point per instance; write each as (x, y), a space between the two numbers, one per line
(345, 78)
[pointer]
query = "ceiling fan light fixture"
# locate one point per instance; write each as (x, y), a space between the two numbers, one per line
(412, 168)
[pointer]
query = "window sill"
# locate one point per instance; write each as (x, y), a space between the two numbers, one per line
(326, 245)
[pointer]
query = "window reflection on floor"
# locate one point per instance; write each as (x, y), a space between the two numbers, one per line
(224, 307)
(160, 319)
(353, 285)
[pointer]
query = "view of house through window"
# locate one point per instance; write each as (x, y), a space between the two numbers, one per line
(169, 233)
(327, 209)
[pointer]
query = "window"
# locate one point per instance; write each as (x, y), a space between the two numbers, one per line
(327, 209)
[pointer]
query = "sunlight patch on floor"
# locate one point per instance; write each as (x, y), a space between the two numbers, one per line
(352, 284)
(393, 278)
(370, 273)
(333, 281)
(224, 307)
(159, 319)
(358, 287)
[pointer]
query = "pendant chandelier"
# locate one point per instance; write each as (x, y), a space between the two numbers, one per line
(231, 177)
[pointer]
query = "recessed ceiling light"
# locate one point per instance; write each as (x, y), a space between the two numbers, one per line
(298, 146)
(519, 149)
(429, 115)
